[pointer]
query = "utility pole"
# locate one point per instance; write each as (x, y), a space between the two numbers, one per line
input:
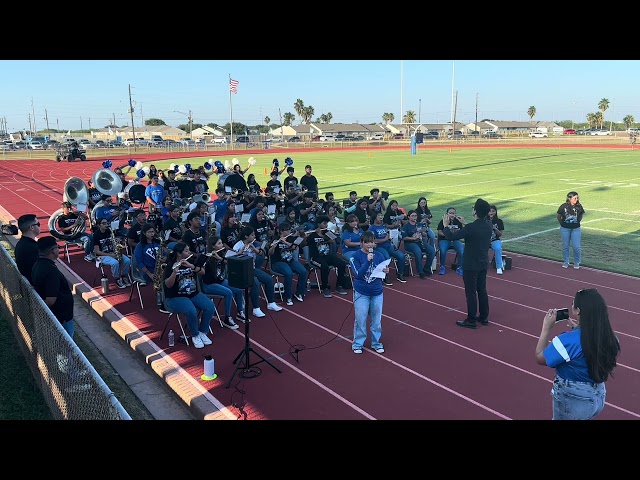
(190, 125)
(114, 119)
(89, 123)
(30, 126)
(46, 120)
(133, 130)
(476, 124)
(35, 130)
(141, 115)
(80, 123)
(419, 109)
(455, 111)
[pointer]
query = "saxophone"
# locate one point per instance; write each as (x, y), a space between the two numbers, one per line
(117, 247)
(161, 264)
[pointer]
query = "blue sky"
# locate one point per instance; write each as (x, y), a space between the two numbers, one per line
(88, 93)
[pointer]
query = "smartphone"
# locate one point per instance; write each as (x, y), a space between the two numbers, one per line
(562, 314)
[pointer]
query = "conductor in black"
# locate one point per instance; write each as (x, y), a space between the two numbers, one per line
(477, 242)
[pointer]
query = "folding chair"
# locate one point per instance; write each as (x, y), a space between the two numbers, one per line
(213, 298)
(67, 244)
(276, 277)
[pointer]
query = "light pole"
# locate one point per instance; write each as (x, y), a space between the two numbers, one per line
(419, 109)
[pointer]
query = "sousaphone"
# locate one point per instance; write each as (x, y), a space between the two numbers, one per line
(76, 193)
(136, 192)
(107, 182)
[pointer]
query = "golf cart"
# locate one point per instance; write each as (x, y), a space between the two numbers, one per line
(70, 153)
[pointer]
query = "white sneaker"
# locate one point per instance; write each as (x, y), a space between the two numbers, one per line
(205, 339)
(565, 265)
(576, 266)
(197, 342)
(274, 306)
(258, 313)
(289, 302)
(499, 271)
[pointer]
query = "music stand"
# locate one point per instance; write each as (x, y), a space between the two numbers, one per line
(249, 370)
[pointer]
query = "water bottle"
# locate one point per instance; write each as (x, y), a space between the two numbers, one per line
(104, 281)
(172, 338)
(209, 368)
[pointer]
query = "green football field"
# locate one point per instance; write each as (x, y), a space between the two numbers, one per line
(527, 185)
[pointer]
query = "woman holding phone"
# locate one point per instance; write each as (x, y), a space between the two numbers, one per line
(584, 357)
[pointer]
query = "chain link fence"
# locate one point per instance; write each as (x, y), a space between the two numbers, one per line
(71, 387)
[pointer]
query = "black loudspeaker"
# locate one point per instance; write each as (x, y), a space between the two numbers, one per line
(240, 271)
(506, 262)
(419, 137)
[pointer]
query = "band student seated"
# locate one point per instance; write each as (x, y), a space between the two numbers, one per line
(215, 282)
(109, 254)
(133, 234)
(455, 223)
(194, 236)
(351, 234)
(416, 242)
(181, 293)
(496, 237)
(68, 221)
(424, 219)
(247, 245)
(145, 254)
(382, 240)
(284, 260)
(111, 213)
(322, 258)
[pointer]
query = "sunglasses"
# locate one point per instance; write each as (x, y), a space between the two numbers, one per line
(35, 224)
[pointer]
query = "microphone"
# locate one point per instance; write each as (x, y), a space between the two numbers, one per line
(371, 251)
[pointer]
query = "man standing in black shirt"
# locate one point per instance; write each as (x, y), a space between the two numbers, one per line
(477, 242)
(51, 285)
(309, 181)
(27, 247)
(274, 182)
(291, 180)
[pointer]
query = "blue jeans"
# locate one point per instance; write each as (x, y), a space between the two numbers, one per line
(188, 307)
(571, 237)
(496, 245)
(260, 276)
(458, 246)
(287, 270)
(115, 265)
(364, 306)
(414, 249)
(577, 400)
(227, 292)
(69, 327)
(388, 251)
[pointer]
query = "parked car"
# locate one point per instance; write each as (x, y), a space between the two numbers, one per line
(20, 145)
(600, 131)
(339, 138)
(569, 131)
(51, 144)
(474, 134)
(432, 135)
(219, 140)
(327, 138)
(316, 138)
(359, 137)
(377, 136)
(457, 135)
(275, 140)
(242, 139)
(84, 143)
(35, 145)
(114, 144)
(537, 135)
(349, 138)
(491, 134)
(294, 139)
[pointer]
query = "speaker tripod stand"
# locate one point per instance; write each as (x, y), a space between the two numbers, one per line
(243, 361)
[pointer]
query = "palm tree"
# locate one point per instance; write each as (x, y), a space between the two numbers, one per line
(388, 118)
(288, 118)
(299, 108)
(603, 105)
(531, 112)
(628, 121)
(409, 117)
(598, 118)
(307, 114)
(329, 116)
(591, 118)
(267, 120)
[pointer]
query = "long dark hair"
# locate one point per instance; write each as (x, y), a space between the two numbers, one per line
(145, 228)
(496, 209)
(350, 218)
(173, 254)
(599, 343)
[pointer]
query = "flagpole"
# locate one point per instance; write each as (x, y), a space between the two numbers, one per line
(230, 112)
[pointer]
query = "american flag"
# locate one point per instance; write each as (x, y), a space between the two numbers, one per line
(233, 85)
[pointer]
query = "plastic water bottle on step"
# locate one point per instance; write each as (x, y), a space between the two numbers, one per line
(172, 338)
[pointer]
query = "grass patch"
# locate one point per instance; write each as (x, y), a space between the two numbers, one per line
(526, 184)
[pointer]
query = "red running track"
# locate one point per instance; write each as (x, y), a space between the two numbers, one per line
(431, 369)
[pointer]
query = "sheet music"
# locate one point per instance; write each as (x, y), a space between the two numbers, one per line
(271, 209)
(239, 208)
(377, 272)
(245, 218)
(230, 253)
(114, 225)
(298, 240)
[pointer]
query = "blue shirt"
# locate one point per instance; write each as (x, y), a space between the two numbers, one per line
(565, 354)
(380, 231)
(221, 209)
(156, 193)
(352, 237)
(363, 283)
(105, 212)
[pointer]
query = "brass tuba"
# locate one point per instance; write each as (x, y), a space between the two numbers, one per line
(76, 193)
(107, 182)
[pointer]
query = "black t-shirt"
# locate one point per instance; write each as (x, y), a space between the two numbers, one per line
(155, 219)
(454, 225)
(214, 271)
(186, 188)
(26, 255)
(571, 215)
(261, 229)
(275, 184)
(290, 182)
(68, 220)
(185, 284)
(363, 216)
(172, 188)
(199, 186)
(424, 216)
(282, 253)
(175, 228)
(94, 195)
(497, 223)
(196, 241)
(311, 215)
(103, 241)
(318, 245)
(48, 281)
(134, 232)
(254, 187)
(310, 182)
(230, 236)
